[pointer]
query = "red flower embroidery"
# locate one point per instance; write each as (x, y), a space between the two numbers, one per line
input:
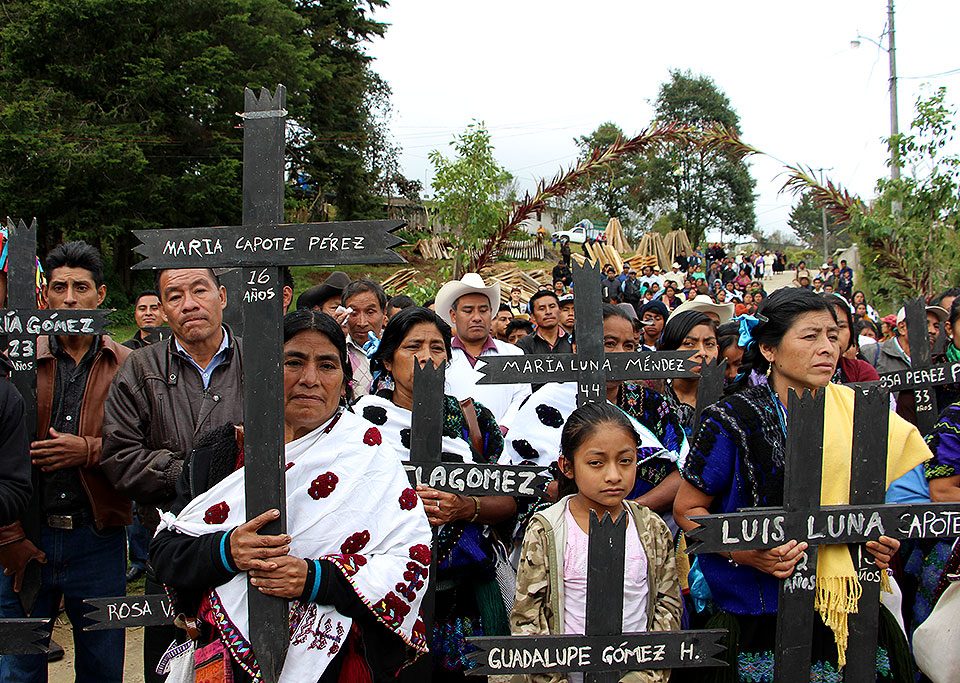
(289, 465)
(372, 437)
(355, 543)
(420, 553)
(217, 514)
(351, 563)
(408, 499)
(323, 486)
(392, 609)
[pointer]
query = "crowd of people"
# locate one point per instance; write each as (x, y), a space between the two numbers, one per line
(137, 468)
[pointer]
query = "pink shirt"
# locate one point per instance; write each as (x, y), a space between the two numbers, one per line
(575, 579)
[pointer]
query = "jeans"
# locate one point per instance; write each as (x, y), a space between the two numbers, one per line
(81, 563)
(138, 540)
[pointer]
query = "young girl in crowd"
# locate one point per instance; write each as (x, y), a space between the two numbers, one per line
(598, 463)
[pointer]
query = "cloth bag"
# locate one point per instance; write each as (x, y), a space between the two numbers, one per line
(935, 640)
(177, 662)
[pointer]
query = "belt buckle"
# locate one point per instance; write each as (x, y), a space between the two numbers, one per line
(60, 521)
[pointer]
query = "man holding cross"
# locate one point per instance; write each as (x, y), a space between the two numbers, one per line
(163, 397)
(82, 542)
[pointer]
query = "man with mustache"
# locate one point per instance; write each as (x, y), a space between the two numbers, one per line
(469, 305)
(146, 313)
(163, 397)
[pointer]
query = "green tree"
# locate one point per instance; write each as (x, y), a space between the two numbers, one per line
(612, 190)
(120, 114)
(806, 221)
(469, 191)
(706, 189)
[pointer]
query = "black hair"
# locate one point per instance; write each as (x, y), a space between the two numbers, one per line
(584, 422)
(952, 291)
(210, 271)
(611, 311)
(504, 307)
(954, 316)
(401, 301)
(541, 294)
(869, 324)
(146, 292)
(727, 335)
(308, 319)
(519, 324)
(429, 302)
(842, 306)
(399, 327)
(286, 277)
(364, 285)
(777, 314)
(75, 255)
(679, 326)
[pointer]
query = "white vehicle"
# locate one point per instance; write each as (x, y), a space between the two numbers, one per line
(579, 233)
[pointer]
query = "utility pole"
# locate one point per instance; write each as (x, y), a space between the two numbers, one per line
(894, 118)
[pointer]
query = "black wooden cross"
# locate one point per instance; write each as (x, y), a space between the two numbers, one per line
(22, 323)
(922, 375)
(802, 518)
(259, 248)
(427, 467)
(605, 652)
(589, 367)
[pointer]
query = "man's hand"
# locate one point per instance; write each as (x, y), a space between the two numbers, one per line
(250, 550)
(14, 558)
(59, 451)
(286, 581)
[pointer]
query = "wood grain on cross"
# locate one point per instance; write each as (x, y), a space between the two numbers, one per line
(22, 323)
(803, 518)
(259, 248)
(605, 652)
(590, 367)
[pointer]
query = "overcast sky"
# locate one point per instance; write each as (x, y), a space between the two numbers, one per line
(540, 72)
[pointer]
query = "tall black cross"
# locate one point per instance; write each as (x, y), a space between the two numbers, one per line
(590, 367)
(23, 323)
(803, 518)
(923, 375)
(259, 248)
(605, 652)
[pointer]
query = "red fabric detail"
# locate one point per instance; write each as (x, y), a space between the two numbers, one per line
(857, 370)
(323, 486)
(408, 499)
(355, 543)
(355, 669)
(420, 553)
(217, 514)
(372, 437)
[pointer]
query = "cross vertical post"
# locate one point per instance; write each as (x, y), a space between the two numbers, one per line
(801, 493)
(710, 386)
(925, 398)
(426, 444)
(868, 477)
(606, 551)
(588, 308)
(264, 139)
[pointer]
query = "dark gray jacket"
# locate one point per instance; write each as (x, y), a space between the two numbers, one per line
(156, 407)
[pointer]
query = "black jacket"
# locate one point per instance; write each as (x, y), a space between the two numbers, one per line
(192, 566)
(15, 475)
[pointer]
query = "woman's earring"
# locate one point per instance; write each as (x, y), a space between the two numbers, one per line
(769, 369)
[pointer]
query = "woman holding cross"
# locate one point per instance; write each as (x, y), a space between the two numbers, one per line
(468, 600)
(737, 461)
(355, 555)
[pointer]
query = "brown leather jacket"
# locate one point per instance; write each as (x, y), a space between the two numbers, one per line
(110, 508)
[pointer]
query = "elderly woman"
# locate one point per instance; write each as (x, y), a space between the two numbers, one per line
(736, 462)
(355, 532)
(468, 602)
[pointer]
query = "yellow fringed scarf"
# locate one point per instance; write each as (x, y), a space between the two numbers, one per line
(838, 588)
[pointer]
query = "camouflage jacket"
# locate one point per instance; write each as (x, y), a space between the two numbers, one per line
(538, 606)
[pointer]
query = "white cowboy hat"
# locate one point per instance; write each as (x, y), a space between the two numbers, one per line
(705, 304)
(471, 283)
